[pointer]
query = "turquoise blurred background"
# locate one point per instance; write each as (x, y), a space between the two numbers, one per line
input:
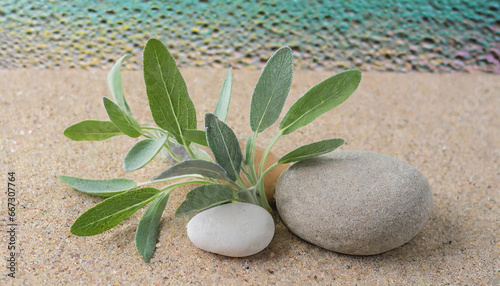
(399, 36)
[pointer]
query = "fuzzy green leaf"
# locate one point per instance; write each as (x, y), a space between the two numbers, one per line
(320, 99)
(271, 90)
(311, 150)
(142, 153)
(103, 188)
(146, 234)
(126, 123)
(194, 167)
(115, 84)
(222, 107)
(203, 198)
(92, 130)
(224, 145)
(110, 212)
(196, 136)
(170, 105)
(248, 150)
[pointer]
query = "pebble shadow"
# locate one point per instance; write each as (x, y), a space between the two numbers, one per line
(442, 233)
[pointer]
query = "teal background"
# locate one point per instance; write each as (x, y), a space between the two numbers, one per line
(401, 36)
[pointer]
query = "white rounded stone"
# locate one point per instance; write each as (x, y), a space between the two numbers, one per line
(234, 229)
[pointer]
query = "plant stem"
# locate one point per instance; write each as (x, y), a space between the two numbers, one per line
(240, 181)
(248, 196)
(202, 155)
(262, 198)
(244, 170)
(164, 133)
(253, 172)
(187, 183)
(267, 171)
(172, 154)
(266, 152)
(169, 179)
(236, 185)
(172, 187)
(148, 134)
(152, 128)
(145, 131)
(190, 152)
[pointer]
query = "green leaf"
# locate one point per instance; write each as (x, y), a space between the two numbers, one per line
(248, 150)
(196, 136)
(92, 130)
(115, 84)
(203, 198)
(103, 188)
(271, 90)
(320, 99)
(142, 153)
(122, 120)
(224, 145)
(146, 234)
(194, 167)
(222, 107)
(311, 150)
(170, 105)
(110, 212)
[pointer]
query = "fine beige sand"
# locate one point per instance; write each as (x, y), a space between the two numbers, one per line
(446, 125)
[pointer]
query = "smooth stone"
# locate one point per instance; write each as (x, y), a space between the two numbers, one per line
(354, 202)
(234, 229)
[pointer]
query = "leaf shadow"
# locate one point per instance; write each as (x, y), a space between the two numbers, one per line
(122, 238)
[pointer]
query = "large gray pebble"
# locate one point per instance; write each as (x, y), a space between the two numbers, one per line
(354, 202)
(235, 229)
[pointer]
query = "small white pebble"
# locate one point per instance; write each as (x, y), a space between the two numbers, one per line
(234, 229)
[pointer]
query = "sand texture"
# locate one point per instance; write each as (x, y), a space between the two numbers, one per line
(446, 125)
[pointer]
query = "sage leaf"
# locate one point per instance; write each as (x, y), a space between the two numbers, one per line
(142, 153)
(271, 90)
(248, 150)
(320, 99)
(203, 198)
(115, 84)
(246, 196)
(92, 130)
(311, 150)
(222, 107)
(194, 167)
(110, 212)
(170, 105)
(126, 123)
(196, 136)
(146, 234)
(224, 145)
(103, 188)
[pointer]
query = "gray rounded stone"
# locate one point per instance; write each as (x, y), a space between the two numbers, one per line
(234, 229)
(354, 202)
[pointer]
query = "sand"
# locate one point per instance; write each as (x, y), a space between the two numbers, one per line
(446, 125)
